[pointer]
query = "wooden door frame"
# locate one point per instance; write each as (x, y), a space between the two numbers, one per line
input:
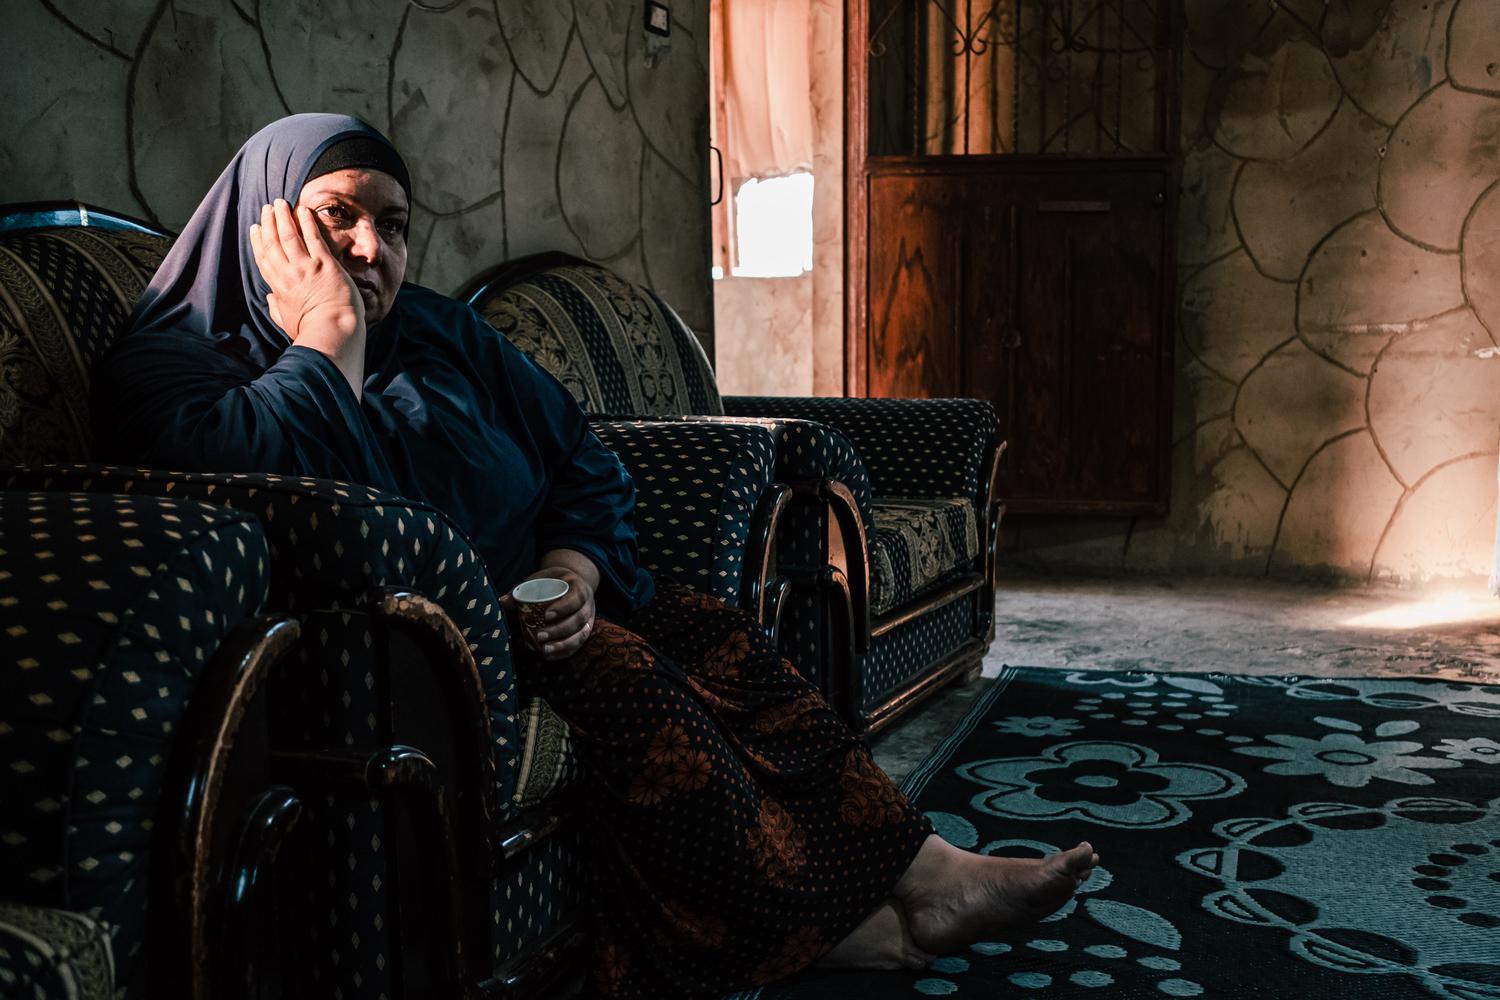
(856, 194)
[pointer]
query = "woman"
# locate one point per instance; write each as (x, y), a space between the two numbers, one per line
(747, 832)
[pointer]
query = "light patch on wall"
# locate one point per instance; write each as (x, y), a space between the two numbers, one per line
(1443, 609)
(773, 222)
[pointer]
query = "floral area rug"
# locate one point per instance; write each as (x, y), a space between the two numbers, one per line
(1260, 837)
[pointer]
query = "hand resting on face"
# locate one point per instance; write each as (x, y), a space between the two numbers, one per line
(312, 298)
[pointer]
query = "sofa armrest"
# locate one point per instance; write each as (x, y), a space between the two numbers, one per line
(911, 447)
(807, 454)
(336, 549)
(112, 610)
(703, 494)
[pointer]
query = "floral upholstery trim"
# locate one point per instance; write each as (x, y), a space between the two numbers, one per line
(54, 955)
(616, 346)
(916, 544)
(49, 341)
(547, 761)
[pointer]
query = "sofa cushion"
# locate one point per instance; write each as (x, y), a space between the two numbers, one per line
(617, 346)
(53, 955)
(916, 544)
(64, 296)
(109, 608)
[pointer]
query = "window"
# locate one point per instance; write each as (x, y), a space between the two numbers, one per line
(773, 227)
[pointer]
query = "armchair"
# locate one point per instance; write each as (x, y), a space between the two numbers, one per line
(134, 656)
(398, 721)
(381, 666)
(890, 538)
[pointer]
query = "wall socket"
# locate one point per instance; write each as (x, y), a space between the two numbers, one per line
(658, 29)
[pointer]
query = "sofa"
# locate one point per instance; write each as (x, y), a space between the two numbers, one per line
(887, 559)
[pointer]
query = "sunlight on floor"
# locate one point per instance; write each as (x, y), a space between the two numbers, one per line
(1442, 609)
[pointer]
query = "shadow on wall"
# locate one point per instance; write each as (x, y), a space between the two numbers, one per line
(1338, 379)
(529, 124)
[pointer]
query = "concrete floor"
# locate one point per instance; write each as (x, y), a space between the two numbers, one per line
(1224, 625)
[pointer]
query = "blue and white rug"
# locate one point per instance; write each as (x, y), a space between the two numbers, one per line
(1260, 837)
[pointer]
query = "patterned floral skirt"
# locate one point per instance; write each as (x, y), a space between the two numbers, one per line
(742, 829)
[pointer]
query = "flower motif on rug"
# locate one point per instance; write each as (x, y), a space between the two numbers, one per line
(1105, 782)
(1037, 725)
(1407, 888)
(1479, 750)
(1176, 704)
(1405, 696)
(1130, 681)
(1345, 758)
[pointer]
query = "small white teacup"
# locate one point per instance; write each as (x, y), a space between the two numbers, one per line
(532, 598)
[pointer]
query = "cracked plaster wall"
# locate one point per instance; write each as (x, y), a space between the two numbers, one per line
(1337, 405)
(528, 125)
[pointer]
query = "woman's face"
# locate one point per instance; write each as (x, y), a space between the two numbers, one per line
(363, 213)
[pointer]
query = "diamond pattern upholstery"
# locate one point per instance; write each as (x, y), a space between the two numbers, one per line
(911, 447)
(64, 294)
(541, 891)
(109, 608)
(697, 485)
(903, 655)
(332, 544)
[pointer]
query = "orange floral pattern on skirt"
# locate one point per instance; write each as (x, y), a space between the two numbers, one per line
(738, 828)
(869, 798)
(776, 843)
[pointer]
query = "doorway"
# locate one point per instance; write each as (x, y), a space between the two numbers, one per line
(1011, 209)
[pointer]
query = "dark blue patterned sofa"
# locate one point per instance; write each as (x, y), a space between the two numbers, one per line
(133, 657)
(889, 543)
(397, 719)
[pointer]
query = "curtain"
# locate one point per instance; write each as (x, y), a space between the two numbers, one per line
(767, 88)
(760, 69)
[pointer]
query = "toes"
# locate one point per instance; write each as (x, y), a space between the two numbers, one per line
(1079, 860)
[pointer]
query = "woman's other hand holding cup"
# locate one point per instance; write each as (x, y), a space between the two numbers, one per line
(555, 626)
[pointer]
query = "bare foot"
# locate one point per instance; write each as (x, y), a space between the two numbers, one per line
(953, 898)
(882, 941)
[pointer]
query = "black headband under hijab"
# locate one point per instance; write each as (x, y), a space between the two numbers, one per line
(361, 151)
